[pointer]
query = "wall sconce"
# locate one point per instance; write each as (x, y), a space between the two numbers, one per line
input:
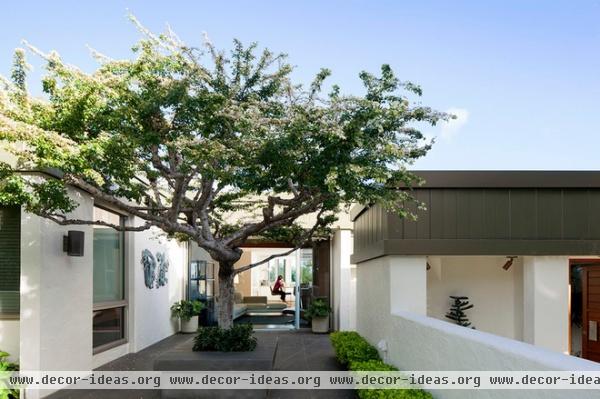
(73, 243)
(509, 262)
(428, 266)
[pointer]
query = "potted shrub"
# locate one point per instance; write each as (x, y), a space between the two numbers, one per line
(187, 312)
(318, 313)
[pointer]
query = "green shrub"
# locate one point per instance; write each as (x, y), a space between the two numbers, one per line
(393, 394)
(5, 365)
(238, 338)
(358, 354)
(350, 347)
(371, 365)
(186, 309)
(378, 365)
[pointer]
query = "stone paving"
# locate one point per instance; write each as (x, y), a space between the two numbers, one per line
(296, 350)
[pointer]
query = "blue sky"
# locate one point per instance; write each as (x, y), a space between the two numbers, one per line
(523, 76)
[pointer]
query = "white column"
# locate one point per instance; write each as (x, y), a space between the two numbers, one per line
(546, 302)
(408, 284)
(344, 290)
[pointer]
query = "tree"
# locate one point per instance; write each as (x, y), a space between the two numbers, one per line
(208, 146)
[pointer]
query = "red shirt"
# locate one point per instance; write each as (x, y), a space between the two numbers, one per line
(278, 285)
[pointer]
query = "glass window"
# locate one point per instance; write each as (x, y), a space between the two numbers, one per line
(108, 258)
(109, 276)
(281, 267)
(10, 260)
(108, 326)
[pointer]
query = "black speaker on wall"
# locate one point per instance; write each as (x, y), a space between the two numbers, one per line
(73, 243)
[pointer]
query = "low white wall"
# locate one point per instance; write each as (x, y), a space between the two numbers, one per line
(497, 294)
(417, 342)
(9, 338)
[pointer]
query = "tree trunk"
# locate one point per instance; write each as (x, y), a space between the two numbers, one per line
(226, 297)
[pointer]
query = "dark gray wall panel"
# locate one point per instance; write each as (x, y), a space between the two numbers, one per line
(523, 213)
(549, 214)
(488, 220)
(436, 213)
(423, 220)
(496, 211)
(575, 214)
(449, 215)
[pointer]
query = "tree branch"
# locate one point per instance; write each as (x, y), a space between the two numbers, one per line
(270, 220)
(299, 245)
(64, 221)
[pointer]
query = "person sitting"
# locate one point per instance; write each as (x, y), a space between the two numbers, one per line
(278, 288)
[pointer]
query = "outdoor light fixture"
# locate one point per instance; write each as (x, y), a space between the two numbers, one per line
(509, 262)
(73, 243)
(428, 266)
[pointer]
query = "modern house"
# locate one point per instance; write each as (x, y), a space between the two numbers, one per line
(75, 301)
(522, 246)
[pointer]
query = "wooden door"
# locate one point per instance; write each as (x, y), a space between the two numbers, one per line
(591, 313)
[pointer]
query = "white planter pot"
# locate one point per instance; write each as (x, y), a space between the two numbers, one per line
(320, 324)
(190, 326)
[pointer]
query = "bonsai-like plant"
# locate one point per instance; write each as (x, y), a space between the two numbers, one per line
(185, 310)
(318, 308)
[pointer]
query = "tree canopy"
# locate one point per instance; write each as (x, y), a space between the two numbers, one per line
(183, 137)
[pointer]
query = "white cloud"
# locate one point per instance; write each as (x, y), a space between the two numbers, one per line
(451, 128)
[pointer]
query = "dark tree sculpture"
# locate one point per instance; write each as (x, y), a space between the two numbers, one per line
(457, 310)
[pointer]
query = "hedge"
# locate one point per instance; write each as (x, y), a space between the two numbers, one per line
(355, 353)
(350, 347)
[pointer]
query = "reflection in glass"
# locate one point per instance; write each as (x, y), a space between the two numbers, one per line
(108, 326)
(108, 258)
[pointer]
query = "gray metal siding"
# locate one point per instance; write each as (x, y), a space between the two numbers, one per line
(500, 214)
(496, 214)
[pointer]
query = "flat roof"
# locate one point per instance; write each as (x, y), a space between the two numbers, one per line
(509, 178)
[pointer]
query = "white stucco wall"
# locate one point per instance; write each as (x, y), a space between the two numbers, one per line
(495, 293)
(373, 299)
(150, 314)
(546, 302)
(55, 327)
(417, 342)
(56, 295)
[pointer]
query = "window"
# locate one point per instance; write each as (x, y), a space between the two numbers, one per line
(10, 261)
(109, 282)
(277, 267)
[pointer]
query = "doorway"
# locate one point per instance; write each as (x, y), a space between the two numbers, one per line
(585, 309)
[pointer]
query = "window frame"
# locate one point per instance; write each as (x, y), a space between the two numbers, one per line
(123, 303)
